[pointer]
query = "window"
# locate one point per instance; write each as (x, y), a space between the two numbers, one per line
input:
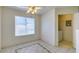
(24, 26)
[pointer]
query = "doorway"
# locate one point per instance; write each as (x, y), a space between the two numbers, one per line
(65, 31)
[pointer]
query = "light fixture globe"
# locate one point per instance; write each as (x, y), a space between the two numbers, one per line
(33, 9)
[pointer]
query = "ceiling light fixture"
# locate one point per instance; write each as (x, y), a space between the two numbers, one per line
(33, 9)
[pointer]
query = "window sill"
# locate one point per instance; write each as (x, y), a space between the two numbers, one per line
(24, 35)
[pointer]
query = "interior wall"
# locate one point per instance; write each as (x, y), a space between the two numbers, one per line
(67, 32)
(0, 26)
(60, 28)
(48, 27)
(60, 22)
(8, 28)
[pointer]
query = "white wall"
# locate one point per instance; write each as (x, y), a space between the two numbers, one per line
(0, 26)
(8, 28)
(68, 10)
(48, 27)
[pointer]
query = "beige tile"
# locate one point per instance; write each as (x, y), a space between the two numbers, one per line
(65, 44)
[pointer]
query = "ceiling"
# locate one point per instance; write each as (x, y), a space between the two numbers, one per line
(40, 12)
(43, 9)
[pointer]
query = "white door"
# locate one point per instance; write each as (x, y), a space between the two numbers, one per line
(77, 41)
(76, 31)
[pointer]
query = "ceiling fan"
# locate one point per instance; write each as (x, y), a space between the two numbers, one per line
(33, 9)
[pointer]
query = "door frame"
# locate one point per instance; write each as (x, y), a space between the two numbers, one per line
(73, 26)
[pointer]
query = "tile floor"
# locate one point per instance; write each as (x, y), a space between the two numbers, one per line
(65, 44)
(46, 48)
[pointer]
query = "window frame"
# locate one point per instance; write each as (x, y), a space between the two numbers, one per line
(26, 34)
